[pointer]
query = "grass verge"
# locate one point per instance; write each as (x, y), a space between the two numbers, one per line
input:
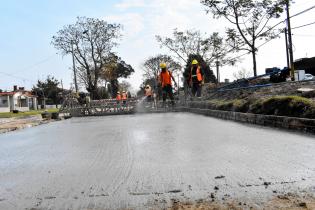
(292, 106)
(24, 114)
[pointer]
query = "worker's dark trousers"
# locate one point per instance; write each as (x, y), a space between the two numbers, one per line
(196, 88)
(167, 90)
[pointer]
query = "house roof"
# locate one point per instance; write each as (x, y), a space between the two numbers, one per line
(26, 93)
(7, 93)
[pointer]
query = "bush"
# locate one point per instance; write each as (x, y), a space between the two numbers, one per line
(294, 106)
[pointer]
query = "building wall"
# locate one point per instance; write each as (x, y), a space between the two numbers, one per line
(4, 104)
(33, 103)
(22, 109)
(18, 104)
(18, 101)
(307, 64)
(4, 109)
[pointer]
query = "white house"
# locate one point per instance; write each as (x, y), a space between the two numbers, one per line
(18, 99)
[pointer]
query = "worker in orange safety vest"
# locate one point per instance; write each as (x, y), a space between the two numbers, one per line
(124, 97)
(196, 78)
(165, 79)
(118, 97)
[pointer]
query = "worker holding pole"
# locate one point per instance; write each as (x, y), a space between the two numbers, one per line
(165, 79)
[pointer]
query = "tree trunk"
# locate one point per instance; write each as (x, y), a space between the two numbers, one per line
(94, 93)
(254, 63)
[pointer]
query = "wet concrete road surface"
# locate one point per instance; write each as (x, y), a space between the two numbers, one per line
(148, 161)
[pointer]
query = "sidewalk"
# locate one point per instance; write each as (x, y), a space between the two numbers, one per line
(15, 123)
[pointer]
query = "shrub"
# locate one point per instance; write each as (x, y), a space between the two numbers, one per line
(294, 106)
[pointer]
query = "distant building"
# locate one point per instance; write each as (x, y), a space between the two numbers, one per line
(18, 99)
(307, 64)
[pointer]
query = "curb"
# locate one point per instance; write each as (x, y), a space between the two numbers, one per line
(288, 123)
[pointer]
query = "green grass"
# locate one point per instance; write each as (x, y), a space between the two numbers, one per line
(293, 106)
(24, 114)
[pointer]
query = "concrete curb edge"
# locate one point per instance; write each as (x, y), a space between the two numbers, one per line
(289, 123)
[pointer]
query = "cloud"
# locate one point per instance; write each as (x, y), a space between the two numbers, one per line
(127, 4)
(133, 23)
(143, 19)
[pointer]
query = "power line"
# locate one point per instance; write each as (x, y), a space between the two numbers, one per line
(17, 77)
(304, 25)
(297, 14)
(306, 10)
(268, 40)
(37, 63)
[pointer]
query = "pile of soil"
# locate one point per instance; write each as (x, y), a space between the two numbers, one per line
(288, 201)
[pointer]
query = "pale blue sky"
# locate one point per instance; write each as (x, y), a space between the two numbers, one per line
(27, 27)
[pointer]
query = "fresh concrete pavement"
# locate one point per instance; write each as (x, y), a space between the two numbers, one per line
(147, 160)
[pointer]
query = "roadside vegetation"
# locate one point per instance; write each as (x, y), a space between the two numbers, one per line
(292, 106)
(25, 114)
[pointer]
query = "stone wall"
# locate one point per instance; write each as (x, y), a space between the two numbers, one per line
(286, 88)
(290, 123)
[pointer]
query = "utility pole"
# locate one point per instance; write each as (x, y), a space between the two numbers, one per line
(286, 47)
(74, 69)
(178, 85)
(290, 41)
(218, 74)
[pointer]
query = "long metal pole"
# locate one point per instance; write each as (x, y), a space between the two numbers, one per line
(218, 74)
(74, 70)
(290, 41)
(286, 47)
(178, 85)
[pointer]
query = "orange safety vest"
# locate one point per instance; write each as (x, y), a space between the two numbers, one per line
(198, 74)
(166, 78)
(124, 96)
(118, 97)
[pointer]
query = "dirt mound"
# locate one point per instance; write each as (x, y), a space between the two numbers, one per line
(288, 201)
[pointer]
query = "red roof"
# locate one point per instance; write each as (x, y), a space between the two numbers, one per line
(7, 93)
(27, 93)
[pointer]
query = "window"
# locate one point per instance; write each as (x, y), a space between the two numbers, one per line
(3, 102)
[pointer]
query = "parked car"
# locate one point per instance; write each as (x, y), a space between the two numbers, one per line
(309, 77)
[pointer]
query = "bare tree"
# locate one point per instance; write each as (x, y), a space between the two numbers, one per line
(242, 74)
(211, 48)
(251, 19)
(151, 66)
(125, 86)
(90, 40)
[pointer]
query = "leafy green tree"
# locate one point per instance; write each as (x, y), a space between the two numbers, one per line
(251, 20)
(208, 73)
(48, 90)
(113, 70)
